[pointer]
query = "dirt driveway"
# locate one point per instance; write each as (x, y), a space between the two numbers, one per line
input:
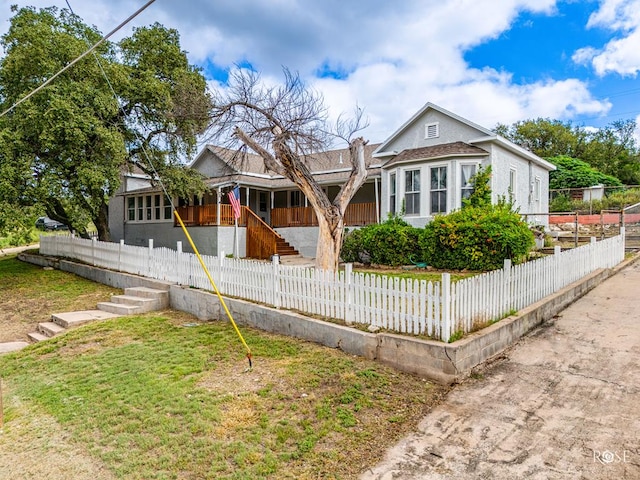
(564, 403)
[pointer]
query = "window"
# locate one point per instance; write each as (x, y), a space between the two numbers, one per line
(145, 208)
(412, 192)
(392, 193)
(466, 187)
(432, 130)
(156, 207)
(295, 198)
(512, 182)
(148, 207)
(167, 208)
(438, 189)
(262, 201)
(131, 209)
(537, 187)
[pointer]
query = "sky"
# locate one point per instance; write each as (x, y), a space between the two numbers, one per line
(490, 61)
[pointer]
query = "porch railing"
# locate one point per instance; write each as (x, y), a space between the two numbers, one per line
(199, 215)
(261, 239)
(356, 214)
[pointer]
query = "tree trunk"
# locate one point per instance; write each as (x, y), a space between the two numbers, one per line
(330, 231)
(101, 221)
(330, 215)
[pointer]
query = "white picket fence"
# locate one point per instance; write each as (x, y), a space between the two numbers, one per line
(436, 309)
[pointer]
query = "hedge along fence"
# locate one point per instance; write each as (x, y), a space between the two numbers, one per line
(437, 309)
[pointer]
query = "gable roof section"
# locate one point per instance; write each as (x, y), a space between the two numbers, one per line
(381, 150)
(445, 150)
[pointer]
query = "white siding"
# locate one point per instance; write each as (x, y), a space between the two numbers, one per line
(450, 130)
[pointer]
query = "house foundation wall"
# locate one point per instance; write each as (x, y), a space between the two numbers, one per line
(303, 239)
(210, 240)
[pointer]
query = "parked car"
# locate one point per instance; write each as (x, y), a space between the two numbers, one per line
(45, 223)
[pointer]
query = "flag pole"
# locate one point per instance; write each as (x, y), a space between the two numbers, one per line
(235, 236)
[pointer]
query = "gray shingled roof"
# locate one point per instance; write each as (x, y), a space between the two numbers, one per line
(437, 151)
(328, 167)
(247, 162)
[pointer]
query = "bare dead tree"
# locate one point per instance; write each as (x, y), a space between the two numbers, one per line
(284, 124)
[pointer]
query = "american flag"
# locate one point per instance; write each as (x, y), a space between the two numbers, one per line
(234, 199)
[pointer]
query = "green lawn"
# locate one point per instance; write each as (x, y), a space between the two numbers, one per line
(163, 396)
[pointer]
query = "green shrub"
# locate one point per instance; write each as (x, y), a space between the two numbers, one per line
(476, 238)
(17, 225)
(574, 173)
(615, 199)
(481, 195)
(392, 243)
(561, 203)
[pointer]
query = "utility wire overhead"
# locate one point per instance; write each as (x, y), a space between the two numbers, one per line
(76, 60)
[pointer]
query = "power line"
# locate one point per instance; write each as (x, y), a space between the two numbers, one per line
(177, 215)
(76, 60)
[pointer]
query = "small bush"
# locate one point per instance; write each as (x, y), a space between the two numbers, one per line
(392, 243)
(561, 203)
(476, 238)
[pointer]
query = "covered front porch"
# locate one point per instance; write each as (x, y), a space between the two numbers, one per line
(264, 212)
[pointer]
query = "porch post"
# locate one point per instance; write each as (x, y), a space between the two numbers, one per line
(377, 200)
(218, 208)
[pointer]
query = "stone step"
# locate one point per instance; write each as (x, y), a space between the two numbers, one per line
(8, 347)
(143, 304)
(118, 308)
(73, 319)
(145, 292)
(36, 337)
(50, 329)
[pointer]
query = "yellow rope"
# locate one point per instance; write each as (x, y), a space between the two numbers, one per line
(213, 284)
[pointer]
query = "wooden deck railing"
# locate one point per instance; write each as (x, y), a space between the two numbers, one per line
(356, 214)
(261, 239)
(208, 215)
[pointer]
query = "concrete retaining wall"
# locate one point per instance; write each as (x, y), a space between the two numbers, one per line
(444, 363)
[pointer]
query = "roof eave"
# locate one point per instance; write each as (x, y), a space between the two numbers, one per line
(516, 149)
(439, 157)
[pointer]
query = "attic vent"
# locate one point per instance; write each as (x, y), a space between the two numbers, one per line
(432, 130)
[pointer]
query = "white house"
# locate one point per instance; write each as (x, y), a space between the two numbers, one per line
(423, 169)
(427, 164)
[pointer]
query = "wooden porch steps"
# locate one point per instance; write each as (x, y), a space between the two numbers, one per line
(284, 248)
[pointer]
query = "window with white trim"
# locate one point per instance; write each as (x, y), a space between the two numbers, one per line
(438, 189)
(466, 186)
(512, 182)
(432, 130)
(149, 208)
(412, 192)
(392, 193)
(537, 188)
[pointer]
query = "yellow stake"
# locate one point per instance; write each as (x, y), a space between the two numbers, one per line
(213, 284)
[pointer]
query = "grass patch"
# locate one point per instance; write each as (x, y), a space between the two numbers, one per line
(162, 396)
(30, 294)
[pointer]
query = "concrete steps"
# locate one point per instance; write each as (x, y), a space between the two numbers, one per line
(135, 300)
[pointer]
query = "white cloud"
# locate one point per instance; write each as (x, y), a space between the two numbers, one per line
(620, 55)
(398, 55)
